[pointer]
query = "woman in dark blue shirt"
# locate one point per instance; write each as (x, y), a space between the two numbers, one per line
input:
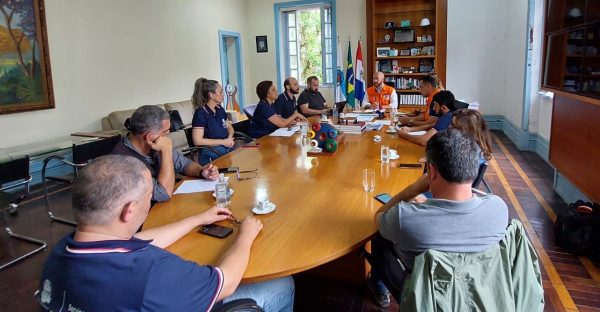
(265, 120)
(210, 125)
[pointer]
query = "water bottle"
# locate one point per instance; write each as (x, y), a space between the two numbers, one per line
(335, 112)
(222, 192)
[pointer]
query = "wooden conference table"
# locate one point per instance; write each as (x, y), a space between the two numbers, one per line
(322, 211)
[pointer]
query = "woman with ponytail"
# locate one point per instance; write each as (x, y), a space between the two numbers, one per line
(210, 125)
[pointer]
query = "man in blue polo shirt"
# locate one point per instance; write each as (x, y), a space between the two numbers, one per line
(285, 105)
(104, 267)
(443, 104)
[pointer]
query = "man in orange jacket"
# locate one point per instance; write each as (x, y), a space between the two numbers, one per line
(380, 94)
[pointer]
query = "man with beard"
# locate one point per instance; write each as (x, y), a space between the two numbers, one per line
(443, 104)
(311, 101)
(285, 105)
(380, 94)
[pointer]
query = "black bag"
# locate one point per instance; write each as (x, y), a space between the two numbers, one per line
(176, 122)
(577, 229)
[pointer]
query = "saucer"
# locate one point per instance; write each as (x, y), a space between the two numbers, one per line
(230, 193)
(268, 210)
(390, 130)
(394, 157)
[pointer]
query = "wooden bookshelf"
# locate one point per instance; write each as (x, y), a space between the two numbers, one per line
(395, 67)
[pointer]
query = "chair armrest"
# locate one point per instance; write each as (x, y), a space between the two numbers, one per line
(243, 136)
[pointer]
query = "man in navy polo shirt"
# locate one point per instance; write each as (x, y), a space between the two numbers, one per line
(285, 105)
(443, 104)
(104, 267)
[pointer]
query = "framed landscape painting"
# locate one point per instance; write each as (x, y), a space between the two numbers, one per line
(25, 78)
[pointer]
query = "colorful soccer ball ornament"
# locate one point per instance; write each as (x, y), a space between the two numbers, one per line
(323, 135)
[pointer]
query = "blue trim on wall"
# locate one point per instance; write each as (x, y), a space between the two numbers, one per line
(240, 73)
(566, 190)
(284, 5)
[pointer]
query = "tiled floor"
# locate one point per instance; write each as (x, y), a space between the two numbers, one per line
(525, 173)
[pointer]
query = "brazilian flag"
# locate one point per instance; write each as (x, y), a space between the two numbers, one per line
(350, 79)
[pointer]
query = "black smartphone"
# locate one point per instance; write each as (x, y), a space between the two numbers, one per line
(215, 230)
(409, 166)
(383, 198)
(229, 169)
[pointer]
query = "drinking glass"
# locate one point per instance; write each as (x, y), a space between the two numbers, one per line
(368, 180)
(385, 153)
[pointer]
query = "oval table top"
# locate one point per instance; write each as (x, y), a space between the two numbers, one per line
(322, 211)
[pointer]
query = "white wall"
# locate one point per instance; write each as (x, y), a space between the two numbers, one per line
(112, 54)
(486, 54)
(350, 21)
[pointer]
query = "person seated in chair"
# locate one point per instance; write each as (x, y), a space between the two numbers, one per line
(285, 105)
(311, 102)
(454, 220)
(147, 141)
(443, 105)
(380, 94)
(106, 266)
(429, 86)
(210, 125)
(265, 120)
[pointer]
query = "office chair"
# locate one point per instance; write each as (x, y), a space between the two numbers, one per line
(480, 179)
(194, 150)
(249, 110)
(16, 171)
(460, 105)
(82, 153)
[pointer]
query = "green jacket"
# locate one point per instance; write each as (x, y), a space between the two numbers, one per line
(504, 278)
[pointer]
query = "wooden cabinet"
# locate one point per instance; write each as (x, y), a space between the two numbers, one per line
(406, 40)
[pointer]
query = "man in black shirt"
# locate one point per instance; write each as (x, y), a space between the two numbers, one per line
(311, 101)
(285, 105)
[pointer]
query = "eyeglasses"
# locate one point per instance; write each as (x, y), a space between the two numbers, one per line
(253, 174)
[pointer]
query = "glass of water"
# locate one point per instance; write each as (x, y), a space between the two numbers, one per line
(368, 180)
(385, 154)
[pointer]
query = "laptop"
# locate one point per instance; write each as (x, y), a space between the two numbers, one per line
(340, 106)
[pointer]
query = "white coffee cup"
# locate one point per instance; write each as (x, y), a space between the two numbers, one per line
(393, 153)
(323, 117)
(263, 204)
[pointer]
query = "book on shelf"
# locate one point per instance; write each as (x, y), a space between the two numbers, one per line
(412, 99)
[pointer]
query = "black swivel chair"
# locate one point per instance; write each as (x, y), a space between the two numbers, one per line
(82, 153)
(16, 172)
(239, 136)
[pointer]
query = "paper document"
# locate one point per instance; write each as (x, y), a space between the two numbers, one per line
(351, 115)
(383, 122)
(196, 186)
(364, 118)
(283, 132)
(417, 132)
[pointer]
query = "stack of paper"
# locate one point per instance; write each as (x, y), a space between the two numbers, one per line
(352, 128)
(195, 186)
(283, 132)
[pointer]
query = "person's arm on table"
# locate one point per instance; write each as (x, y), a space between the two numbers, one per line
(282, 123)
(309, 111)
(235, 260)
(417, 139)
(164, 236)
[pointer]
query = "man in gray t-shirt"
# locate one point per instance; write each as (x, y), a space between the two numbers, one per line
(454, 220)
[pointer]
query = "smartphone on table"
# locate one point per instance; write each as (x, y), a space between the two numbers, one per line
(215, 230)
(409, 166)
(383, 198)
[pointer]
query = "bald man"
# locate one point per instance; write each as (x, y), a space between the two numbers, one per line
(380, 94)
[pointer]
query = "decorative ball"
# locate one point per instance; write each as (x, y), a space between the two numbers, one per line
(325, 134)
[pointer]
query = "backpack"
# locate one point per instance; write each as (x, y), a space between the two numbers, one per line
(577, 229)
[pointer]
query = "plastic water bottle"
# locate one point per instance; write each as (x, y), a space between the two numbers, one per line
(335, 112)
(222, 192)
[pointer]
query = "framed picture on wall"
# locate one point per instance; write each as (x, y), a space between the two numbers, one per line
(261, 44)
(26, 79)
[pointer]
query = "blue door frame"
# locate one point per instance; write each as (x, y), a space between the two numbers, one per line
(223, 35)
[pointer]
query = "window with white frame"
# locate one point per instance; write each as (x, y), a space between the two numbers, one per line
(307, 43)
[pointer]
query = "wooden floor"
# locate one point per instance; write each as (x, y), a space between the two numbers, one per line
(522, 179)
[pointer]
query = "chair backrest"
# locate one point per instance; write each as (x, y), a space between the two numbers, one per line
(14, 170)
(506, 277)
(188, 136)
(82, 153)
(460, 104)
(480, 174)
(249, 110)
(241, 126)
